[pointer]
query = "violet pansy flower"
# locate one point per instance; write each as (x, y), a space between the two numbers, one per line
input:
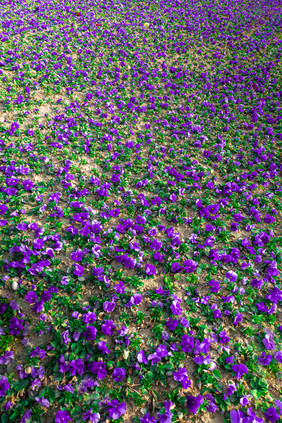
(193, 403)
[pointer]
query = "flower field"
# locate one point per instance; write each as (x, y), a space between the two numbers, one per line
(140, 211)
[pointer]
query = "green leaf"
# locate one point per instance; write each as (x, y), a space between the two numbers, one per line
(4, 418)
(255, 394)
(110, 364)
(76, 412)
(217, 374)
(21, 385)
(91, 398)
(169, 366)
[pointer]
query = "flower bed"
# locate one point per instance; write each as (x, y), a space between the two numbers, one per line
(140, 203)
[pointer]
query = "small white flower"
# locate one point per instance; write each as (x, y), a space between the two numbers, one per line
(125, 354)
(15, 285)
(213, 365)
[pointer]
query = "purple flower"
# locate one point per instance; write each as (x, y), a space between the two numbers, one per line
(77, 255)
(148, 419)
(271, 414)
(65, 337)
(254, 417)
(134, 300)
(156, 245)
(257, 283)
(217, 314)
(38, 352)
(109, 306)
(232, 276)
(231, 389)
(28, 185)
(69, 388)
(88, 382)
(181, 376)
(89, 317)
(278, 357)
(210, 185)
(194, 403)
(21, 226)
(98, 368)
(212, 407)
(108, 327)
(96, 250)
(161, 351)
(275, 295)
(89, 96)
(176, 268)
(3, 307)
(8, 405)
(7, 358)
(264, 359)
(229, 360)
(184, 322)
(14, 306)
(202, 359)
(123, 331)
(240, 370)
(171, 324)
(207, 153)
(155, 358)
(269, 342)
(102, 345)
(245, 400)
(115, 178)
(165, 417)
(119, 288)
(62, 417)
(93, 417)
(3, 209)
(26, 416)
(237, 217)
(90, 333)
(78, 270)
(236, 416)
(278, 404)
(214, 286)
(209, 228)
(175, 307)
(269, 219)
(35, 384)
(224, 339)
(43, 401)
(141, 357)
(76, 367)
(187, 343)
(116, 409)
(150, 269)
(118, 374)
(94, 180)
(190, 266)
(165, 335)
(4, 385)
(238, 318)
(234, 226)
(16, 326)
